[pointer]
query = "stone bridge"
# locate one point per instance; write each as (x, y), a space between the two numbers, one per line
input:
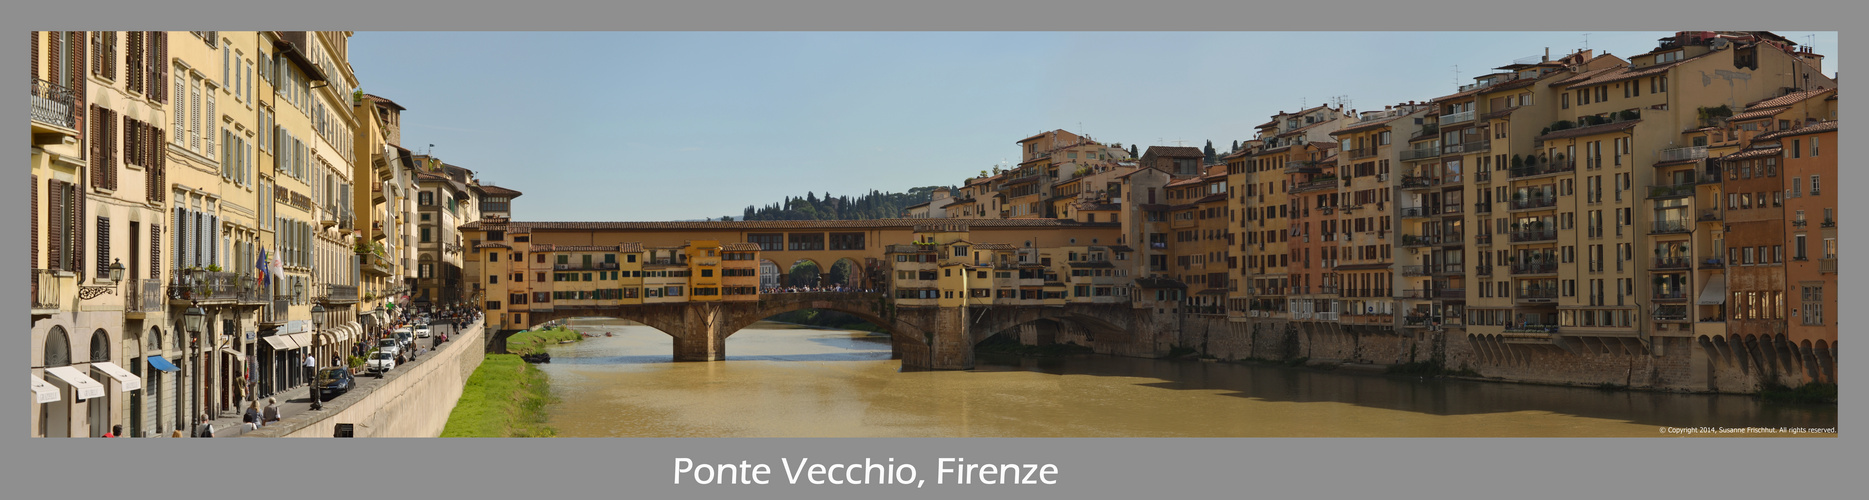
(924, 338)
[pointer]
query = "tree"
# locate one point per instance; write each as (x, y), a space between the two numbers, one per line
(1209, 150)
(1133, 153)
(1236, 146)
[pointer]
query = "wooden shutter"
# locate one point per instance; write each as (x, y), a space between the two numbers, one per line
(35, 68)
(76, 81)
(178, 229)
(77, 230)
(110, 151)
(35, 210)
(133, 72)
(158, 62)
(95, 152)
(103, 247)
(129, 141)
(55, 224)
(155, 251)
(158, 169)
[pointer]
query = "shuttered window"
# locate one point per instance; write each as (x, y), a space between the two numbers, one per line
(103, 247)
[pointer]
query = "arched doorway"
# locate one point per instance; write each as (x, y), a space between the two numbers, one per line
(804, 273)
(133, 410)
(99, 408)
(55, 417)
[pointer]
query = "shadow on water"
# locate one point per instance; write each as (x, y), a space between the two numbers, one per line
(1430, 396)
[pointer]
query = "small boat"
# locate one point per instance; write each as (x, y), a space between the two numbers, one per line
(566, 341)
(608, 334)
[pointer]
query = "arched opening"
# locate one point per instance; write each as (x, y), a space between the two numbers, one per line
(844, 274)
(99, 408)
(55, 417)
(804, 274)
(770, 276)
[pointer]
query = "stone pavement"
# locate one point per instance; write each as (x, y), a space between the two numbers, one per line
(297, 400)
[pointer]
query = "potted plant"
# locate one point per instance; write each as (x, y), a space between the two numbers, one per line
(214, 268)
(1518, 161)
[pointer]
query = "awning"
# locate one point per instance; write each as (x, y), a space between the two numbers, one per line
(43, 392)
(1715, 292)
(160, 363)
(281, 342)
(235, 353)
(300, 340)
(130, 381)
(87, 388)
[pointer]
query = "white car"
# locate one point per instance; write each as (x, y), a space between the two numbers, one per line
(422, 331)
(404, 336)
(390, 346)
(382, 362)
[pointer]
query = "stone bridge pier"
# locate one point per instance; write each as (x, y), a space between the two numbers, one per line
(923, 338)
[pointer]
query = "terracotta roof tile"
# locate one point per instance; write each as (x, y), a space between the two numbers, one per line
(498, 191)
(1372, 124)
(1504, 113)
(493, 245)
(739, 246)
(1583, 76)
(1121, 248)
(1771, 150)
(1176, 152)
(631, 247)
(1519, 83)
(791, 224)
(1788, 99)
(1815, 128)
(1590, 130)
(1757, 113)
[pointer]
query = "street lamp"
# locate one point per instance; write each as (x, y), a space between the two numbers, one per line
(192, 320)
(317, 318)
(116, 271)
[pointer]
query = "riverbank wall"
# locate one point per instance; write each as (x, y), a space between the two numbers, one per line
(413, 401)
(1679, 364)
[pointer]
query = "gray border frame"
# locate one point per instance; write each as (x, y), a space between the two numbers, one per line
(1092, 468)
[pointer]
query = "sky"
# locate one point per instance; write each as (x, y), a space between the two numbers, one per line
(647, 126)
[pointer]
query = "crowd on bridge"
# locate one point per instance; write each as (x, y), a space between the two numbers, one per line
(819, 290)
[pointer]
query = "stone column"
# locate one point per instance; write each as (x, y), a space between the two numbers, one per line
(702, 338)
(952, 348)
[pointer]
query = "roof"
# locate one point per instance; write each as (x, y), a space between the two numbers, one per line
(1212, 198)
(633, 247)
(1121, 248)
(1771, 150)
(788, 224)
(1814, 128)
(583, 248)
(1756, 113)
(1372, 124)
(1789, 99)
(739, 246)
(1590, 130)
(1621, 73)
(1521, 82)
(1583, 76)
(493, 245)
(1456, 95)
(1141, 170)
(498, 191)
(1499, 114)
(1176, 152)
(385, 102)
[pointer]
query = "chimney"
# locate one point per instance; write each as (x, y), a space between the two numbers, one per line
(1547, 54)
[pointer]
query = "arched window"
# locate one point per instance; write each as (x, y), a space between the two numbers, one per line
(57, 348)
(155, 339)
(100, 345)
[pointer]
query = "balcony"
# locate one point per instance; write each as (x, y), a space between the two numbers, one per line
(1827, 266)
(1482, 208)
(1421, 182)
(1671, 190)
(1315, 185)
(1681, 154)
(1414, 321)
(1535, 268)
(1712, 264)
(1476, 146)
(1327, 289)
(595, 266)
(207, 286)
(144, 296)
(1666, 264)
(1451, 269)
(1710, 215)
(1536, 295)
(1827, 224)
(340, 294)
(1552, 167)
(376, 265)
(1483, 239)
(1358, 154)
(1414, 270)
(1409, 240)
(1302, 167)
(1676, 294)
(56, 106)
(275, 312)
(1450, 209)
(1534, 202)
(1671, 227)
(1483, 271)
(1421, 153)
(1414, 212)
(1451, 293)
(1327, 316)
(45, 291)
(1676, 313)
(1416, 293)
(1461, 117)
(1534, 235)
(1450, 239)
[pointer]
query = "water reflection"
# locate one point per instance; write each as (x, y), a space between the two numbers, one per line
(786, 381)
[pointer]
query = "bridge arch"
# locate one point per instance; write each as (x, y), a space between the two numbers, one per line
(1098, 323)
(804, 272)
(770, 275)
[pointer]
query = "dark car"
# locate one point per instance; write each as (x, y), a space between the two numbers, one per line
(334, 382)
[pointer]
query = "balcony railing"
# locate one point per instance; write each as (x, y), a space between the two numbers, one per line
(1710, 215)
(1413, 182)
(1672, 313)
(1326, 182)
(1678, 154)
(1537, 293)
(1451, 293)
(1450, 209)
(1534, 202)
(213, 286)
(1663, 263)
(1409, 240)
(1671, 226)
(144, 296)
(1482, 208)
(593, 266)
(45, 289)
(1452, 269)
(1534, 235)
(1358, 154)
(1671, 190)
(1552, 167)
(1450, 239)
(1414, 270)
(1828, 266)
(1476, 146)
(1420, 153)
(1483, 239)
(1535, 268)
(1676, 294)
(1460, 117)
(341, 294)
(1301, 167)
(1414, 212)
(275, 312)
(1415, 293)
(1713, 264)
(54, 104)
(376, 265)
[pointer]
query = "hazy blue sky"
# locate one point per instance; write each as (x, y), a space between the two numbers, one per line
(668, 126)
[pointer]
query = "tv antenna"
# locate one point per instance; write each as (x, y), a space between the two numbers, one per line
(1456, 75)
(1586, 41)
(1341, 101)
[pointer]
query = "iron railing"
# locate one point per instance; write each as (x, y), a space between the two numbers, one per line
(1534, 202)
(1671, 313)
(1535, 268)
(214, 286)
(1828, 266)
(1460, 117)
(1685, 153)
(1710, 215)
(144, 296)
(1414, 270)
(1537, 293)
(1420, 153)
(1671, 226)
(1664, 263)
(1552, 167)
(1414, 182)
(54, 104)
(1671, 190)
(1534, 235)
(1676, 294)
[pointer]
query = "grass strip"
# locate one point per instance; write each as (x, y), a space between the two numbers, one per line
(505, 397)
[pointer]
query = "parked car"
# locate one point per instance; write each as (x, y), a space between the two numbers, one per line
(381, 362)
(405, 336)
(389, 345)
(334, 382)
(422, 330)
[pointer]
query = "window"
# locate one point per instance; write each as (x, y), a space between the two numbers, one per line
(1814, 146)
(1816, 187)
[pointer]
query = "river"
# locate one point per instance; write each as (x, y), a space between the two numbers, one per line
(782, 380)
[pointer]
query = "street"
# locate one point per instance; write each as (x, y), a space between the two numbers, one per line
(297, 400)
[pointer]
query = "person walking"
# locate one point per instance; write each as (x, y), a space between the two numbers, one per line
(206, 429)
(311, 367)
(115, 431)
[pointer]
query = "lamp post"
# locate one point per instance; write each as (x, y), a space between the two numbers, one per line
(192, 320)
(317, 318)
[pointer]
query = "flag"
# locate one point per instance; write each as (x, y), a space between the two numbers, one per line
(277, 266)
(261, 266)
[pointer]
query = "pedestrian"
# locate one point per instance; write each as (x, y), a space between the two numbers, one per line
(177, 433)
(272, 411)
(206, 429)
(115, 431)
(311, 366)
(252, 418)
